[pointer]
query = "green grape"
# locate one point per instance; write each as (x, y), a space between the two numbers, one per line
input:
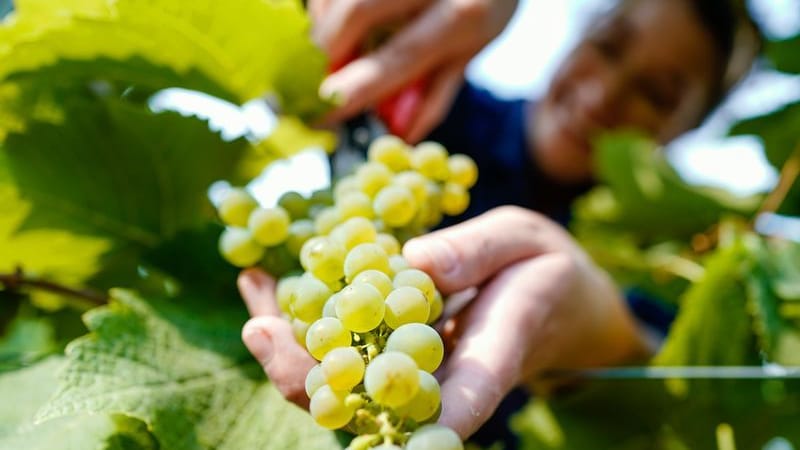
(463, 170)
(284, 293)
(239, 248)
(373, 176)
(295, 204)
(418, 279)
(404, 305)
(309, 298)
(390, 151)
(395, 205)
(425, 404)
(379, 225)
(354, 231)
(328, 408)
(387, 447)
(324, 258)
(321, 197)
(355, 204)
(455, 199)
(300, 330)
(377, 279)
(437, 308)
(434, 437)
(343, 368)
(388, 242)
(326, 219)
(360, 307)
(392, 379)
(269, 226)
(414, 182)
(314, 380)
(329, 310)
(398, 263)
(236, 206)
(299, 232)
(420, 342)
(278, 261)
(430, 159)
(344, 186)
(365, 257)
(325, 335)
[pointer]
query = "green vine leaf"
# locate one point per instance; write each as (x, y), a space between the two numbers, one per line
(238, 50)
(26, 390)
(116, 171)
(181, 368)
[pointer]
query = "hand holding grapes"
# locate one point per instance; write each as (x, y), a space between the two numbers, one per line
(461, 28)
(542, 304)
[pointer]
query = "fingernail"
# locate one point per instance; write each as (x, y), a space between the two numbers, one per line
(438, 253)
(259, 343)
(252, 280)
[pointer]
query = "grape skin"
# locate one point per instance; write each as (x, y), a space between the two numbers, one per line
(269, 226)
(236, 206)
(419, 341)
(425, 404)
(309, 298)
(315, 379)
(239, 248)
(395, 205)
(434, 437)
(343, 368)
(377, 279)
(392, 379)
(326, 334)
(406, 305)
(360, 307)
(328, 408)
(365, 257)
(418, 279)
(323, 257)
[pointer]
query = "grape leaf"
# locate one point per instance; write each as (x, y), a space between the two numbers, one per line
(713, 326)
(645, 196)
(182, 369)
(237, 50)
(56, 255)
(117, 171)
(26, 390)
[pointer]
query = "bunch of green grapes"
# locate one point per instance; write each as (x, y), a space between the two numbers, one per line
(357, 306)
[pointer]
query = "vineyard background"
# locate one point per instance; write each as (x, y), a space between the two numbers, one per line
(100, 191)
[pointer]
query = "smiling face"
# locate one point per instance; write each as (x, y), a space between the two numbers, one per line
(651, 66)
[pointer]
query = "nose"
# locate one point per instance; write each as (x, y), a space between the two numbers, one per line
(597, 100)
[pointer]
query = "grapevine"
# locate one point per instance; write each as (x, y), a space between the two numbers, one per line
(353, 301)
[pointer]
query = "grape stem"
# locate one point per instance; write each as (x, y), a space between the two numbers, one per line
(17, 280)
(789, 173)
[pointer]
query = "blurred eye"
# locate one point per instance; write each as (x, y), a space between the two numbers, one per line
(662, 98)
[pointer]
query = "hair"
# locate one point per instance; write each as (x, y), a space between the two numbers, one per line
(737, 38)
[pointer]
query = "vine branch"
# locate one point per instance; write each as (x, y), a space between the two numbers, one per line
(789, 173)
(17, 279)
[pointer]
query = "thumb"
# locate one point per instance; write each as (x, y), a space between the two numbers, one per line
(469, 253)
(271, 341)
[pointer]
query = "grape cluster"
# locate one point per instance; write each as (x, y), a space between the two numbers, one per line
(357, 306)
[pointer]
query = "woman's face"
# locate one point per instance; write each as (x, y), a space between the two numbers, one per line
(649, 67)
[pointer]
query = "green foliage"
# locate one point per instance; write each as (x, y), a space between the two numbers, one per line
(644, 195)
(783, 54)
(181, 368)
(24, 391)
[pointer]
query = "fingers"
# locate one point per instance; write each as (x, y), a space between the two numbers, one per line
(407, 56)
(344, 25)
(437, 101)
(467, 254)
(286, 363)
(258, 290)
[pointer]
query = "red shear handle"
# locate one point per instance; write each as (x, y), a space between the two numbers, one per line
(399, 110)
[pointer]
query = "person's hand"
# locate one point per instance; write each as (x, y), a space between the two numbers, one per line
(436, 41)
(541, 304)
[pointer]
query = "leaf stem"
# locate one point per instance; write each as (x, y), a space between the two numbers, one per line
(789, 173)
(17, 279)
